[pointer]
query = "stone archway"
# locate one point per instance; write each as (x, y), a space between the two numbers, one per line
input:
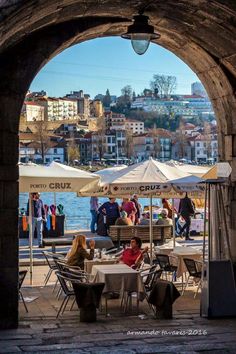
(200, 32)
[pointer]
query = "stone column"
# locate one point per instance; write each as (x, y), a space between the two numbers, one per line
(8, 213)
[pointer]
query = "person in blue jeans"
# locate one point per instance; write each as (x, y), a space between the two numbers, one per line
(111, 211)
(38, 216)
(94, 213)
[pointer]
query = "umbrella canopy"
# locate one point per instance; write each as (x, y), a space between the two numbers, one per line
(146, 178)
(188, 184)
(55, 178)
(149, 177)
(198, 171)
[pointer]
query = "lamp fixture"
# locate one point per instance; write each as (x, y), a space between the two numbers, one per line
(140, 33)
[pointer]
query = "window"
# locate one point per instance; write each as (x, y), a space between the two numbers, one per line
(55, 151)
(198, 144)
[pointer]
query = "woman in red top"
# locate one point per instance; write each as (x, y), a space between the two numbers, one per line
(130, 208)
(133, 255)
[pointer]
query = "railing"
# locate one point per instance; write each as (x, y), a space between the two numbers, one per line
(77, 222)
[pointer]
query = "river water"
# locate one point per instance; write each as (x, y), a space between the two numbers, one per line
(76, 209)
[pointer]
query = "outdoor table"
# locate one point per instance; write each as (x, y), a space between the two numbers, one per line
(88, 265)
(167, 248)
(179, 253)
(118, 278)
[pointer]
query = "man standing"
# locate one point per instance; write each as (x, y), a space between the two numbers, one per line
(94, 213)
(38, 215)
(186, 210)
(138, 207)
(111, 211)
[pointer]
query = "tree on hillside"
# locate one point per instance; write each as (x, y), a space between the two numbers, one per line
(165, 85)
(100, 136)
(126, 91)
(129, 147)
(73, 152)
(181, 140)
(207, 138)
(42, 137)
(124, 101)
(107, 99)
(156, 142)
(133, 96)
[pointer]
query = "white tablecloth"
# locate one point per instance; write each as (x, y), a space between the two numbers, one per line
(88, 265)
(180, 253)
(117, 278)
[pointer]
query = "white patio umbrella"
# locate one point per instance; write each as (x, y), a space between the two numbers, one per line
(195, 170)
(53, 178)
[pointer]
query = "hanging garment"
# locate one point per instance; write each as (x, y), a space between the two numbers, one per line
(53, 209)
(60, 209)
(24, 223)
(53, 216)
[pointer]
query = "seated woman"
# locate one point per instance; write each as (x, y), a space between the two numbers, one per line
(164, 219)
(78, 252)
(133, 255)
(145, 219)
(123, 220)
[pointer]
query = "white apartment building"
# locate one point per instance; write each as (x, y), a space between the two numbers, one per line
(206, 149)
(135, 126)
(58, 108)
(33, 111)
(30, 152)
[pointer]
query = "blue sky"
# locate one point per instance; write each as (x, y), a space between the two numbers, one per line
(102, 63)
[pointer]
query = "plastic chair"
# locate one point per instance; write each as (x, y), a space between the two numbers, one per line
(194, 270)
(163, 261)
(22, 274)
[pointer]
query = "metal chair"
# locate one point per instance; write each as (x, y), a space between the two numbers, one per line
(149, 276)
(194, 269)
(22, 274)
(163, 261)
(149, 280)
(65, 280)
(76, 270)
(50, 259)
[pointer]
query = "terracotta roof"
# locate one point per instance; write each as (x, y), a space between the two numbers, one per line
(134, 120)
(190, 126)
(32, 103)
(26, 136)
(193, 96)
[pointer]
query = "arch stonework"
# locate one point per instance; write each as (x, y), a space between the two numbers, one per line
(201, 33)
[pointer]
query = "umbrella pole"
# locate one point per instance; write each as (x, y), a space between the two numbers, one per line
(151, 229)
(31, 238)
(173, 221)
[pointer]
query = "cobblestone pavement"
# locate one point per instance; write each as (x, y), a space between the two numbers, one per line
(40, 332)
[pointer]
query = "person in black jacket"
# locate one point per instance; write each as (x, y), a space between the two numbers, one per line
(186, 210)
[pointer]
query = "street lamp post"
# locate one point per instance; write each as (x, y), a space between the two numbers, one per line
(117, 150)
(162, 152)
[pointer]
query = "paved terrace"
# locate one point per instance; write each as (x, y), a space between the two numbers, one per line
(40, 332)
